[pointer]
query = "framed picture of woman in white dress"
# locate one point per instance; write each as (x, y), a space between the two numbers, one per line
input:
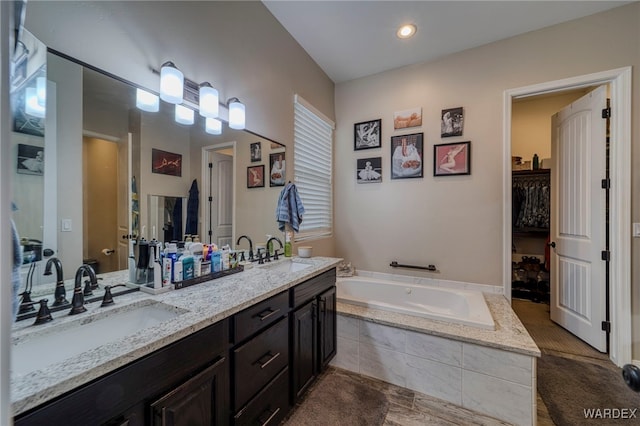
(369, 170)
(452, 159)
(406, 156)
(277, 171)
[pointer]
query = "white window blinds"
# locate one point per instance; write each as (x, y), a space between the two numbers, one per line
(312, 155)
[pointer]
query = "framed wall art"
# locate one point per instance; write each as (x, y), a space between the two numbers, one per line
(451, 122)
(452, 159)
(406, 156)
(30, 159)
(369, 170)
(278, 171)
(255, 176)
(367, 134)
(256, 151)
(407, 118)
(166, 163)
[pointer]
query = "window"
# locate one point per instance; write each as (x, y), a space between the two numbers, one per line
(312, 148)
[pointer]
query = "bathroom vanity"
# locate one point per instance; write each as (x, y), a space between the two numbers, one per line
(242, 350)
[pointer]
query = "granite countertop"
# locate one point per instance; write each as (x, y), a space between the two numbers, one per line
(198, 306)
(510, 334)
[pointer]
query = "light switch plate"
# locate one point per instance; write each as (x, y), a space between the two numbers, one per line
(636, 230)
(65, 225)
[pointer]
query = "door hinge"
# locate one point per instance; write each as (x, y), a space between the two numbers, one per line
(606, 113)
(210, 198)
(606, 255)
(606, 326)
(211, 165)
(606, 183)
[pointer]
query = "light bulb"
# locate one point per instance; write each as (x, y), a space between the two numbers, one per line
(171, 83)
(236, 115)
(208, 101)
(147, 101)
(184, 115)
(406, 31)
(213, 126)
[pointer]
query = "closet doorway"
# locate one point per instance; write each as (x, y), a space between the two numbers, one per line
(540, 270)
(619, 208)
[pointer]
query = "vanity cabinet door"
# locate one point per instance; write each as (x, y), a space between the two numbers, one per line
(200, 400)
(327, 331)
(304, 348)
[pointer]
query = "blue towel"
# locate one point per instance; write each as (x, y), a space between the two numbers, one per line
(289, 209)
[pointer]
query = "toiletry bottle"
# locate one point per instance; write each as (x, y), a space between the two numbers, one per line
(287, 244)
(172, 254)
(177, 271)
(187, 267)
(536, 162)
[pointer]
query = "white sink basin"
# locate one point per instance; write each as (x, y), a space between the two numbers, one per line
(287, 266)
(55, 344)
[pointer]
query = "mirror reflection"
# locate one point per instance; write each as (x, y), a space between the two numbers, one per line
(119, 173)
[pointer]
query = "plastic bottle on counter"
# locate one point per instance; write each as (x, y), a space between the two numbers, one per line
(287, 244)
(177, 271)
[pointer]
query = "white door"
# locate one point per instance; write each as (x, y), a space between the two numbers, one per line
(578, 218)
(219, 211)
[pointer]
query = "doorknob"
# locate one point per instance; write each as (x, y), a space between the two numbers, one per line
(552, 244)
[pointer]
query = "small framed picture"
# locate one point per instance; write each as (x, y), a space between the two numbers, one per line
(367, 134)
(452, 159)
(166, 163)
(407, 118)
(406, 156)
(30, 159)
(451, 122)
(256, 152)
(369, 170)
(255, 176)
(277, 171)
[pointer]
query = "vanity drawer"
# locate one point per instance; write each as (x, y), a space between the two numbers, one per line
(259, 360)
(259, 316)
(270, 406)
(307, 290)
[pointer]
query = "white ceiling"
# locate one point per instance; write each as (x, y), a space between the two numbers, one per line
(352, 39)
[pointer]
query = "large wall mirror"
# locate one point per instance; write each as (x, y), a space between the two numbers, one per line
(112, 170)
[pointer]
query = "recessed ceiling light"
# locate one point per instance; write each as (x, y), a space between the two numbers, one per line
(406, 31)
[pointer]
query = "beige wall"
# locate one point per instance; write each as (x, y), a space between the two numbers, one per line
(262, 64)
(456, 222)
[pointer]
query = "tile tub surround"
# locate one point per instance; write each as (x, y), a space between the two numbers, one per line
(492, 372)
(206, 303)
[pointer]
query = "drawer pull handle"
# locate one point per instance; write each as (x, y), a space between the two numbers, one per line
(271, 358)
(271, 416)
(267, 313)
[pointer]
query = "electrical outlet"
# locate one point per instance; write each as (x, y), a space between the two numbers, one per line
(636, 230)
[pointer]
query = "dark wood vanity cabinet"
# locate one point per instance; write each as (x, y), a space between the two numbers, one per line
(313, 325)
(177, 379)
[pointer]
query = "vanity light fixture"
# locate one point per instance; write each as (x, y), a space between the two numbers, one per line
(171, 83)
(236, 114)
(41, 90)
(406, 31)
(213, 126)
(208, 101)
(31, 105)
(184, 115)
(147, 101)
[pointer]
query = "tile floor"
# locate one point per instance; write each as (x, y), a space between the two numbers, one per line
(406, 407)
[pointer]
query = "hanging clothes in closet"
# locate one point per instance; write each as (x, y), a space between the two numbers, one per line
(531, 200)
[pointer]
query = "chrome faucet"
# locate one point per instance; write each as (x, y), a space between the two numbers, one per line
(60, 293)
(77, 303)
(275, 256)
(250, 245)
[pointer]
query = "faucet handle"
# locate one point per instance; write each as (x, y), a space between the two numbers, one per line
(275, 254)
(108, 297)
(44, 315)
(260, 259)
